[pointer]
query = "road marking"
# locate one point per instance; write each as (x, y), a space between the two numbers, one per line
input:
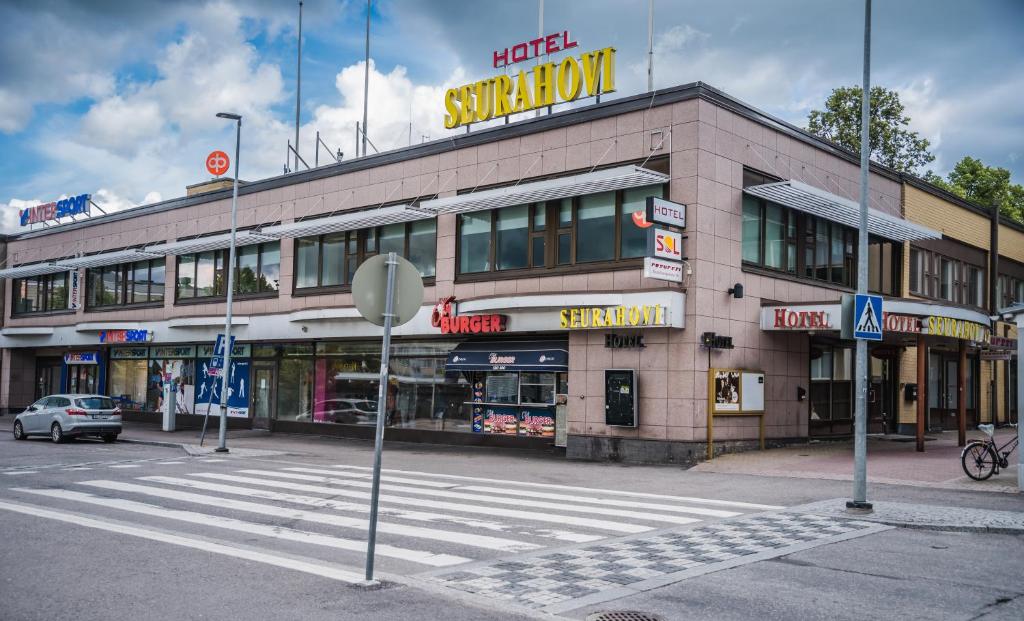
(463, 538)
(519, 502)
(170, 463)
(276, 532)
(417, 516)
(604, 501)
(575, 488)
(324, 571)
(79, 468)
(22, 472)
(125, 466)
(537, 516)
(210, 461)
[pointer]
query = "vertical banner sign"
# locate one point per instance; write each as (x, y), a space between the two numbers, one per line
(238, 389)
(75, 295)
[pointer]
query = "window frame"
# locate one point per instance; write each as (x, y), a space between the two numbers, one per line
(44, 291)
(221, 257)
(126, 286)
(551, 234)
(931, 278)
(350, 254)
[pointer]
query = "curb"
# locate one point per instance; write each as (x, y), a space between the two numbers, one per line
(950, 528)
(184, 447)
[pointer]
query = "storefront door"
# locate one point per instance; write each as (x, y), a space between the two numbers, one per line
(48, 376)
(943, 396)
(82, 378)
(264, 379)
(882, 397)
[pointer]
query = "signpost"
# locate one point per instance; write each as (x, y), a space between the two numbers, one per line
(387, 291)
(214, 370)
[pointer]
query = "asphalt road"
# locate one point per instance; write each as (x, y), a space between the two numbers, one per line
(95, 531)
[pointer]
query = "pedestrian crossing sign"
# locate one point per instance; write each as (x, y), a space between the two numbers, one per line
(867, 317)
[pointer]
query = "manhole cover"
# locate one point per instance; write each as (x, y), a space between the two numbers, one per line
(623, 615)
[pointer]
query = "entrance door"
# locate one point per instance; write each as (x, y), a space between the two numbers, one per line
(48, 376)
(943, 397)
(82, 378)
(264, 379)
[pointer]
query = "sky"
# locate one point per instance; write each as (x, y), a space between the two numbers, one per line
(118, 99)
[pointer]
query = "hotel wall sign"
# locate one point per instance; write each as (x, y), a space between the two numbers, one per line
(546, 84)
(444, 317)
(661, 211)
(801, 319)
(957, 329)
(635, 316)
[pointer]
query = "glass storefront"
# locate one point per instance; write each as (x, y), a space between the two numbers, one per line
(129, 380)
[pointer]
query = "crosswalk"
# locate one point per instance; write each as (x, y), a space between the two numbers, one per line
(310, 518)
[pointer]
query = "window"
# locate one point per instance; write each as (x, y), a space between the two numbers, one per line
(126, 284)
(40, 294)
(933, 275)
(203, 275)
(537, 388)
(771, 235)
(1009, 290)
(331, 260)
(884, 266)
(592, 228)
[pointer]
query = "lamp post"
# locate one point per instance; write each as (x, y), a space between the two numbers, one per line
(226, 371)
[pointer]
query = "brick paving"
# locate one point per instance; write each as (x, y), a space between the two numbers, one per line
(561, 580)
(891, 462)
(930, 517)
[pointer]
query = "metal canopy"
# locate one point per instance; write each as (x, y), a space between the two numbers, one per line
(32, 269)
(213, 242)
(808, 199)
(617, 178)
(347, 222)
(108, 258)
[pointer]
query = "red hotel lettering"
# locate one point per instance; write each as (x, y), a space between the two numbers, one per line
(901, 323)
(543, 45)
(800, 319)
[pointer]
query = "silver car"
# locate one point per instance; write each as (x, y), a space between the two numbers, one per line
(68, 416)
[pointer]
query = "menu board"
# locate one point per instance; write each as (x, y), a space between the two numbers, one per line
(502, 388)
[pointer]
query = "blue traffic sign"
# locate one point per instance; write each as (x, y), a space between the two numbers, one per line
(217, 360)
(867, 317)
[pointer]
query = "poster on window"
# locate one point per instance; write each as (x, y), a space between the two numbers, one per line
(537, 423)
(727, 391)
(209, 387)
(177, 375)
(501, 420)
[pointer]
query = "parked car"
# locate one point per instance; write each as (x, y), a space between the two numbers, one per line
(69, 416)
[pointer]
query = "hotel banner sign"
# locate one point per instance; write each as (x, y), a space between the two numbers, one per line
(622, 316)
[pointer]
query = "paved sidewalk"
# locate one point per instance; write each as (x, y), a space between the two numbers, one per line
(889, 461)
(927, 517)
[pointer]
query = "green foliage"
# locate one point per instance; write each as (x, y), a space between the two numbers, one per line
(891, 142)
(984, 185)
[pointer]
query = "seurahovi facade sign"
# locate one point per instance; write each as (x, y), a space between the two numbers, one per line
(545, 84)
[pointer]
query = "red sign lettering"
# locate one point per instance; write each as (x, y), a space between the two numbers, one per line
(449, 323)
(533, 48)
(801, 320)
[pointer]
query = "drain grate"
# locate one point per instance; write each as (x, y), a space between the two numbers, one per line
(623, 615)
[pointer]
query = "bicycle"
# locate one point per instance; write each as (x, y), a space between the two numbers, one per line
(983, 458)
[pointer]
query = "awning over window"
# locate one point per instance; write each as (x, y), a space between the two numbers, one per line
(32, 269)
(618, 178)
(108, 258)
(808, 199)
(347, 221)
(212, 242)
(509, 356)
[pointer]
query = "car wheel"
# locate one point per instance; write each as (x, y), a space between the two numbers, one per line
(109, 437)
(19, 431)
(56, 433)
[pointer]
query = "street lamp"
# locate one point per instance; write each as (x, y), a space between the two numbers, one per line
(226, 370)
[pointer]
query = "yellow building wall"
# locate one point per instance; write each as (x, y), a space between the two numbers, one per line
(908, 375)
(1011, 243)
(951, 219)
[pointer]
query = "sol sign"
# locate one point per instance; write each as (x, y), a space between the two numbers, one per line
(593, 73)
(665, 244)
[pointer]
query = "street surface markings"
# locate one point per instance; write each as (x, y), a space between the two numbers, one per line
(13, 472)
(518, 502)
(170, 463)
(568, 520)
(574, 488)
(313, 501)
(79, 468)
(125, 466)
(461, 538)
(566, 579)
(317, 569)
(275, 532)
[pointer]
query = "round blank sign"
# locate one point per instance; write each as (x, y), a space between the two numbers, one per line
(369, 290)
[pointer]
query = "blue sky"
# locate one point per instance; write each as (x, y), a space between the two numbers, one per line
(118, 99)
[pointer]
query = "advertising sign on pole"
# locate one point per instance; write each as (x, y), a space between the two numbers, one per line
(217, 163)
(664, 244)
(663, 270)
(662, 211)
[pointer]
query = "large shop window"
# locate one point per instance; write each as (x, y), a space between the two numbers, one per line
(141, 282)
(591, 229)
(203, 275)
(831, 383)
(331, 260)
(934, 275)
(40, 294)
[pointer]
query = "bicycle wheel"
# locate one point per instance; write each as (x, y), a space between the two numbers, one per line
(979, 461)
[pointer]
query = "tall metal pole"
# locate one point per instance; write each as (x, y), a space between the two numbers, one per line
(382, 393)
(366, 75)
(226, 371)
(298, 88)
(650, 46)
(860, 440)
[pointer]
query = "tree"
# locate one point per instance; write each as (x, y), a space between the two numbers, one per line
(984, 185)
(892, 143)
